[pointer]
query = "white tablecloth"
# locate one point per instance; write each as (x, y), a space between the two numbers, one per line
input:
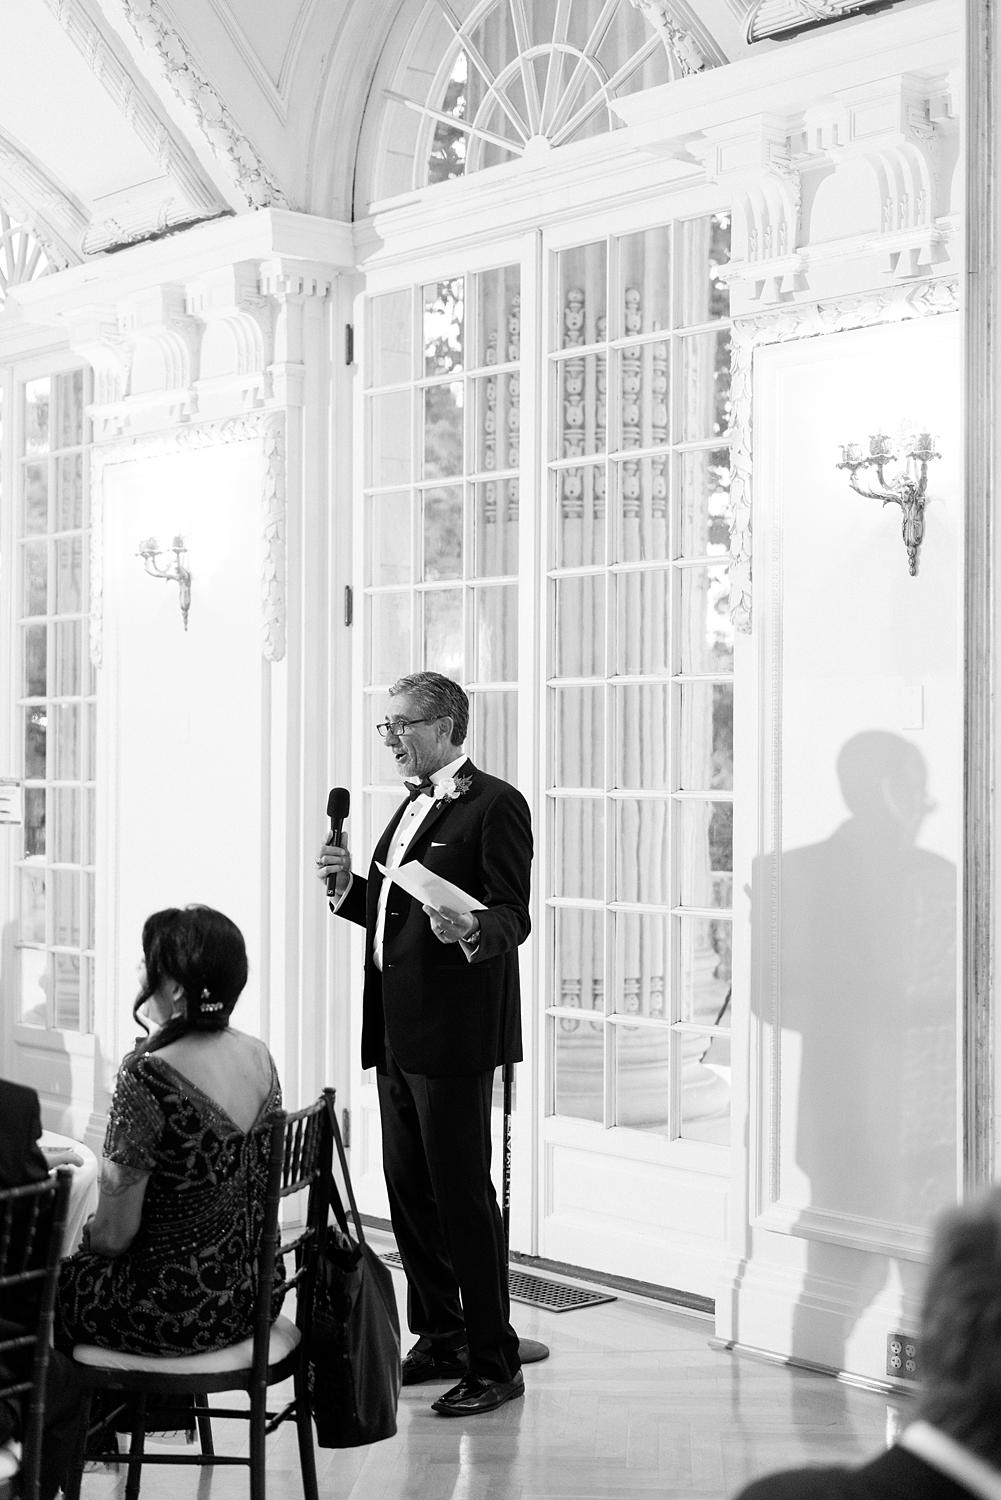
(83, 1190)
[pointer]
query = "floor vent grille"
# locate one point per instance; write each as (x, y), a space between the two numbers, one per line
(536, 1291)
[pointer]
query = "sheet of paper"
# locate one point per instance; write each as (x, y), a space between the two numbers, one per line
(430, 889)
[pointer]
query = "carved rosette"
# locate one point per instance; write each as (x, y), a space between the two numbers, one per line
(895, 304)
(266, 427)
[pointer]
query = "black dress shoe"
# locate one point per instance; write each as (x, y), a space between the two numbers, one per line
(434, 1364)
(474, 1394)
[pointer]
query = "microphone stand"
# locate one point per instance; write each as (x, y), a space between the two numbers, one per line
(530, 1351)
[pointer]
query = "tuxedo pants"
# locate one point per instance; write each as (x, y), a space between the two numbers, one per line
(436, 1150)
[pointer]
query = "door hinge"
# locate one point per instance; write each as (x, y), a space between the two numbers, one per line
(349, 604)
(346, 1127)
(349, 343)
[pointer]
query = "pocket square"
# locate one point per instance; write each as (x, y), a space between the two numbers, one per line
(442, 845)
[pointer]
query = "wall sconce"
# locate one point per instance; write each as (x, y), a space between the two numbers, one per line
(906, 489)
(175, 572)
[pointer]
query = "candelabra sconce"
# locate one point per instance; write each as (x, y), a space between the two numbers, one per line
(175, 572)
(906, 489)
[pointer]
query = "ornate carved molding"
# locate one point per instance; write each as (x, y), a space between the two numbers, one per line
(252, 177)
(268, 427)
(683, 52)
(895, 304)
(148, 127)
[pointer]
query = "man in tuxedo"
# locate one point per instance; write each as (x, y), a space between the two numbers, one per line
(22, 1162)
(952, 1449)
(441, 1011)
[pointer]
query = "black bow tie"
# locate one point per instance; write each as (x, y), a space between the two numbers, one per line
(420, 788)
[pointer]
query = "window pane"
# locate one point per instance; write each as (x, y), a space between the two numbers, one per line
(391, 355)
(578, 1068)
(442, 446)
(705, 502)
(34, 822)
(388, 533)
(703, 249)
(65, 887)
(33, 906)
(36, 985)
(580, 615)
(704, 989)
(69, 575)
(642, 851)
(707, 630)
(443, 635)
(67, 744)
(580, 516)
(65, 843)
(641, 379)
(444, 330)
(36, 588)
(644, 624)
(579, 953)
(579, 858)
(493, 733)
(389, 439)
(442, 532)
(68, 665)
(644, 280)
(703, 379)
(69, 492)
(640, 488)
(643, 1078)
(389, 637)
(496, 422)
(582, 292)
(36, 498)
(36, 415)
(35, 725)
(706, 741)
(643, 737)
(496, 622)
(69, 410)
(642, 965)
(581, 405)
(495, 527)
(496, 297)
(578, 729)
(66, 973)
(705, 856)
(35, 672)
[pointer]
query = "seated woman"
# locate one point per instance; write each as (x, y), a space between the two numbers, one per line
(167, 1262)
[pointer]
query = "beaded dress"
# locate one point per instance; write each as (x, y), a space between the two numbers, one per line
(186, 1282)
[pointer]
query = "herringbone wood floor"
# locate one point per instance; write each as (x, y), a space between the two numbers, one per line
(633, 1401)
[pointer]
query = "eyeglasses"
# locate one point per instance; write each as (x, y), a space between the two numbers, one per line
(396, 727)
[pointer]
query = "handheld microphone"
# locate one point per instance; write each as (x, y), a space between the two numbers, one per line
(338, 806)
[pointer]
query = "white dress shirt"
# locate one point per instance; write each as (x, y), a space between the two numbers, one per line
(402, 839)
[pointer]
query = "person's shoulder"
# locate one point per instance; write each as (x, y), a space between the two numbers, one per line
(17, 1100)
(489, 785)
(813, 1483)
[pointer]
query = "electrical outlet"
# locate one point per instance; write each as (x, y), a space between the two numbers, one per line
(902, 1356)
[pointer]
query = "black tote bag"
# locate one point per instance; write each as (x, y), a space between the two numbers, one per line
(354, 1355)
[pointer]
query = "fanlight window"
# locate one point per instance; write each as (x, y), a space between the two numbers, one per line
(22, 256)
(514, 80)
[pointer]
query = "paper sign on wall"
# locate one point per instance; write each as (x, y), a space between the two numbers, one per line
(11, 800)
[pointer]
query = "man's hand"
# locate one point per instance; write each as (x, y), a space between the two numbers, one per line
(333, 860)
(453, 926)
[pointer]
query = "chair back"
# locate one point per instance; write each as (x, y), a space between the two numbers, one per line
(299, 1164)
(32, 1222)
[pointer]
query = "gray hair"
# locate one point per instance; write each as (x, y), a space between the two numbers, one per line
(437, 697)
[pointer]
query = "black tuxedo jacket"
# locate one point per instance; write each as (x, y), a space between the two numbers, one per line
(21, 1158)
(894, 1475)
(444, 1014)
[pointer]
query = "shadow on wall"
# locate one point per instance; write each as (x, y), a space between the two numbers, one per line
(866, 1004)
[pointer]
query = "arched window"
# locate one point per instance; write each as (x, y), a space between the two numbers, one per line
(511, 81)
(22, 254)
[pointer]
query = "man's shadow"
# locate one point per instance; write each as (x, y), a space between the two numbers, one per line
(867, 999)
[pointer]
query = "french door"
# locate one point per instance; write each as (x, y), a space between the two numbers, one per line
(545, 467)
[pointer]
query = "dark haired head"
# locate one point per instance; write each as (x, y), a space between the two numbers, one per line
(204, 952)
(960, 1344)
(437, 697)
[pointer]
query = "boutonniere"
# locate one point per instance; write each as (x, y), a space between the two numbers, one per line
(451, 787)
